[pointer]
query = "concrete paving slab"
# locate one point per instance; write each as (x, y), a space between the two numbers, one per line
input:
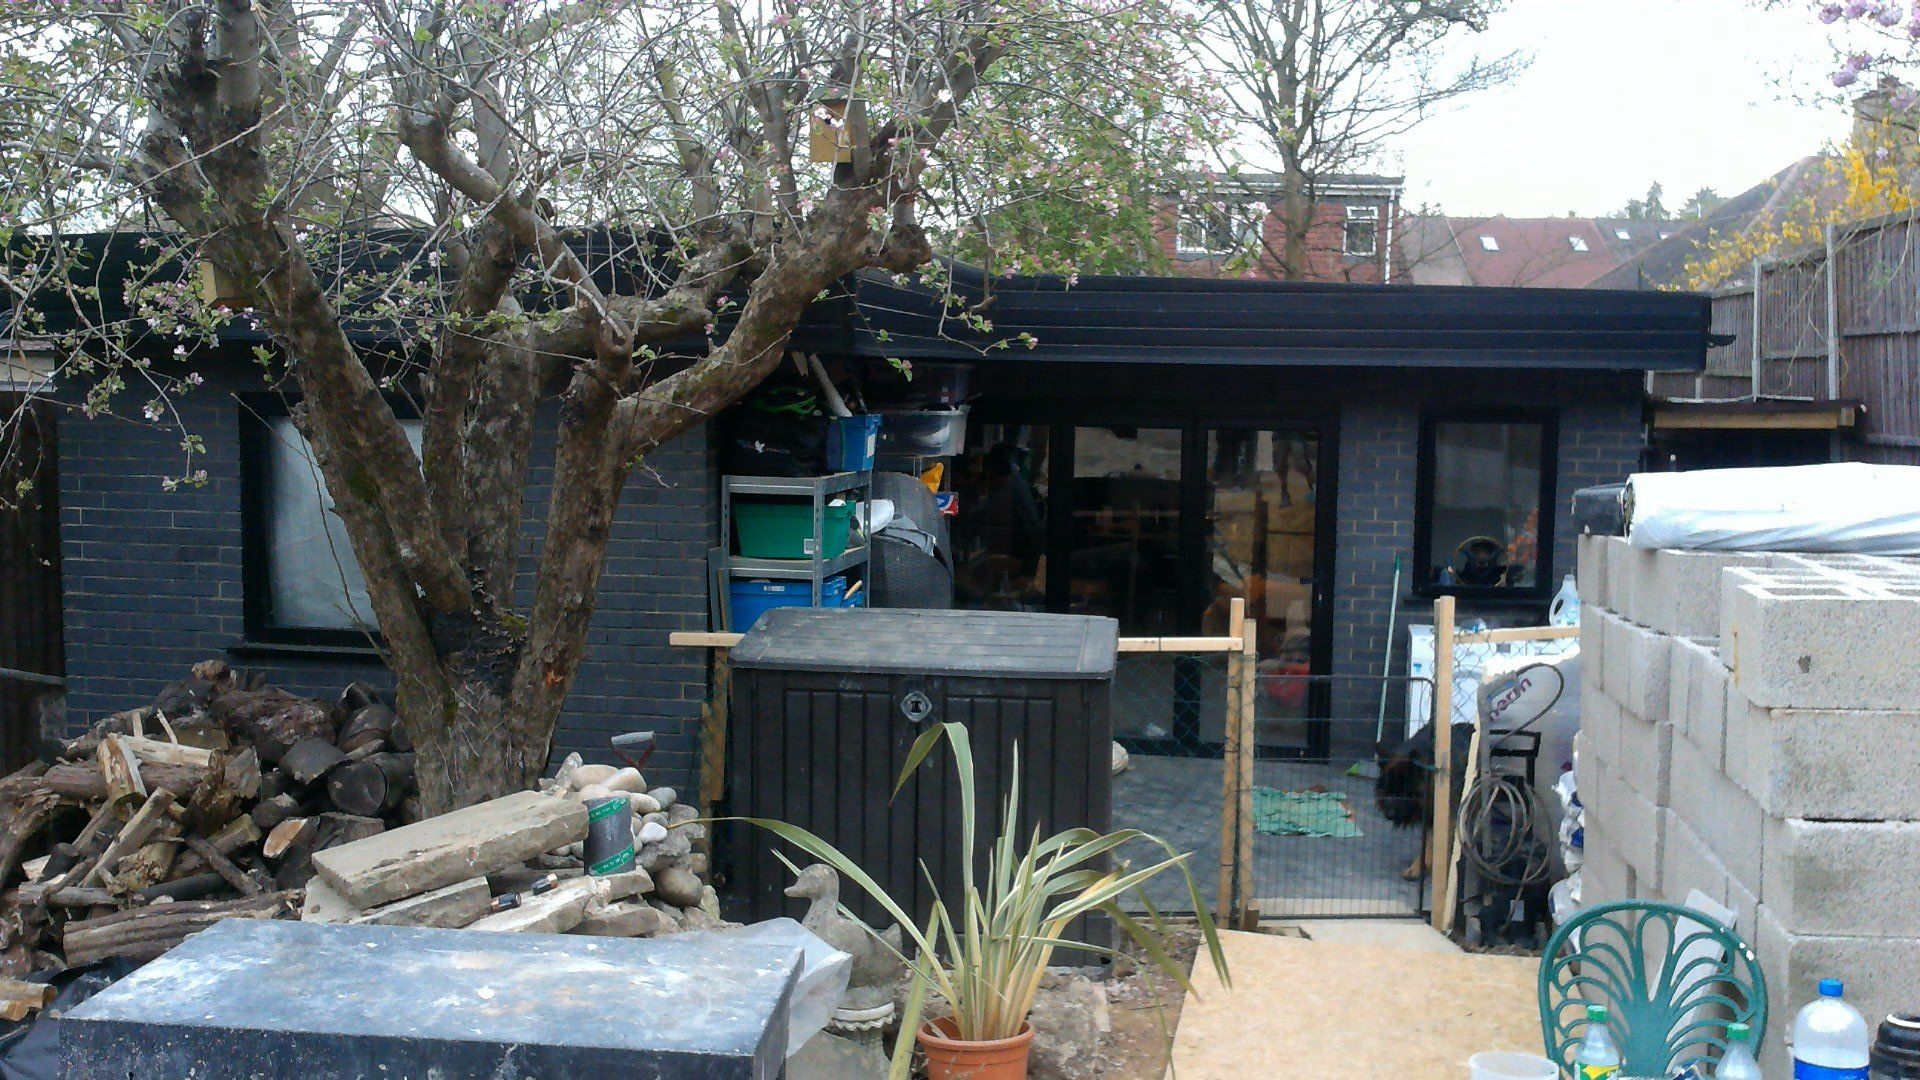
(320, 1001)
(466, 843)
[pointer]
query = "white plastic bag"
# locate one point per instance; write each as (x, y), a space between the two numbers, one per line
(1849, 506)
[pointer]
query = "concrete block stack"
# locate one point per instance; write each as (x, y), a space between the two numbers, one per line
(1754, 733)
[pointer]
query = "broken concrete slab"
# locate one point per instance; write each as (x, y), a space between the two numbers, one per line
(554, 912)
(453, 847)
(629, 918)
(335, 1002)
(448, 907)
(324, 905)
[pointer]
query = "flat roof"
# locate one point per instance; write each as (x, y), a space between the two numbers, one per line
(1276, 323)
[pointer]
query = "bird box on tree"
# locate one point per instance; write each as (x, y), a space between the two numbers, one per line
(839, 129)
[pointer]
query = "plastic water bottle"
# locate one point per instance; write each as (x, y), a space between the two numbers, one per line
(1829, 1038)
(1598, 1056)
(1738, 1062)
(1565, 609)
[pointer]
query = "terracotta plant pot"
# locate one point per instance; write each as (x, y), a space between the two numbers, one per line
(949, 1058)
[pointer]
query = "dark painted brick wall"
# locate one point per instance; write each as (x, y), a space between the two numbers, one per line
(1600, 439)
(153, 581)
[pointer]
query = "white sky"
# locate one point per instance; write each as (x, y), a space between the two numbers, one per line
(1691, 93)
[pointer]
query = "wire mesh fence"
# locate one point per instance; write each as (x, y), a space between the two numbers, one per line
(1323, 842)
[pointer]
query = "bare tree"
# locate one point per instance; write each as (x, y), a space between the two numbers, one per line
(1323, 85)
(280, 140)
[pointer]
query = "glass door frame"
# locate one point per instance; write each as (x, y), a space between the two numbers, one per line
(1062, 418)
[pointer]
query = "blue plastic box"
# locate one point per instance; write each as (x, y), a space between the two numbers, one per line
(752, 599)
(851, 443)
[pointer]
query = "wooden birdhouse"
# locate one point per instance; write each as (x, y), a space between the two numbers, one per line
(838, 132)
(218, 287)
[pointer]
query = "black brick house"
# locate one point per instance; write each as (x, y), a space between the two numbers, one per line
(1178, 440)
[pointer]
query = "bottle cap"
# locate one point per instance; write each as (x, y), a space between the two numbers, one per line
(1738, 1033)
(1832, 988)
(1597, 1013)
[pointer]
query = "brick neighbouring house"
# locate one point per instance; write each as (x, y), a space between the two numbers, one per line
(1180, 440)
(1231, 226)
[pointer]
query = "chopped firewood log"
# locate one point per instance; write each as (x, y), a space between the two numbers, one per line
(81, 896)
(149, 817)
(268, 814)
(19, 824)
(119, 770)
(357, 696)
(148, 865)
(165, 753)
(372, 787)
(283, 836)
(84, 784)
(34, 869)
(223, 866)
(196, 887)
(309, 759)
(272, 720)
(328, 830)
(18, 1000)
(142, 934)
(369, 725)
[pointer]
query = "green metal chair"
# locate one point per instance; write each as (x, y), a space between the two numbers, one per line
(1671, 977)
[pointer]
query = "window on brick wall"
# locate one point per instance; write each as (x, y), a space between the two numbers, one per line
(1483, 518)
(1217, 228)
(1363, 230)
(303, 585)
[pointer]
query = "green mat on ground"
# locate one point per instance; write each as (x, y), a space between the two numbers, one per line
(1302, 813)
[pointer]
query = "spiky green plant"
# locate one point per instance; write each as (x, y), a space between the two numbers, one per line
(987, 951)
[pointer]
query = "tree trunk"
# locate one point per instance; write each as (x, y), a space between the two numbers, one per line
(468, 746)
(1297, 210)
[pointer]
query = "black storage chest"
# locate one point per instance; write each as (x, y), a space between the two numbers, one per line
(827, 703)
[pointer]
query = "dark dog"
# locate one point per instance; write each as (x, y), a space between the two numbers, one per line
(1404, 789)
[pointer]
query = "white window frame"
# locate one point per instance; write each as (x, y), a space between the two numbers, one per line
(1578, 244)
(1192, 218)
(1489, 243)
(1368, 216)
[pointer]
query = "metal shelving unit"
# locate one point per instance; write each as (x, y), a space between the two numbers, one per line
(819, 489)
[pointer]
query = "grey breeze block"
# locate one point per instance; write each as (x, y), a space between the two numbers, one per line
(1814, 637)
(1826, 764)
(1844, 878)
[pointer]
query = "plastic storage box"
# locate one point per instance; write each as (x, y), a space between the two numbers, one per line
(851, 442)
(783, 528)
(925, 433)
(752, 599)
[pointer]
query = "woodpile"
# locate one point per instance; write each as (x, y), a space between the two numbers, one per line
(208, 804)
(227, 798)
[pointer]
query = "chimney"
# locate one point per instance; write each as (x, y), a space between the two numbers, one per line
(1891, 103)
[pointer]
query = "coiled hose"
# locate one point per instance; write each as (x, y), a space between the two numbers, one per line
(1503, 824)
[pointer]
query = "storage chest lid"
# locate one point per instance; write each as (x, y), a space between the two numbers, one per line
(895, 641)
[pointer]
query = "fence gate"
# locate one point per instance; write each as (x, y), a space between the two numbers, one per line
(1273, 798)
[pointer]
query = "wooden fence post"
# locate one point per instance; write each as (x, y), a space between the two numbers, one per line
(713, 731)
(1440, 849)
(1249, 753)
(1230, 767)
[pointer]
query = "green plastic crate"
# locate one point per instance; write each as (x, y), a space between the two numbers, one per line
(783, 528)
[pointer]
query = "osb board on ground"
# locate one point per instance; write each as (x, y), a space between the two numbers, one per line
(1308, 1010)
